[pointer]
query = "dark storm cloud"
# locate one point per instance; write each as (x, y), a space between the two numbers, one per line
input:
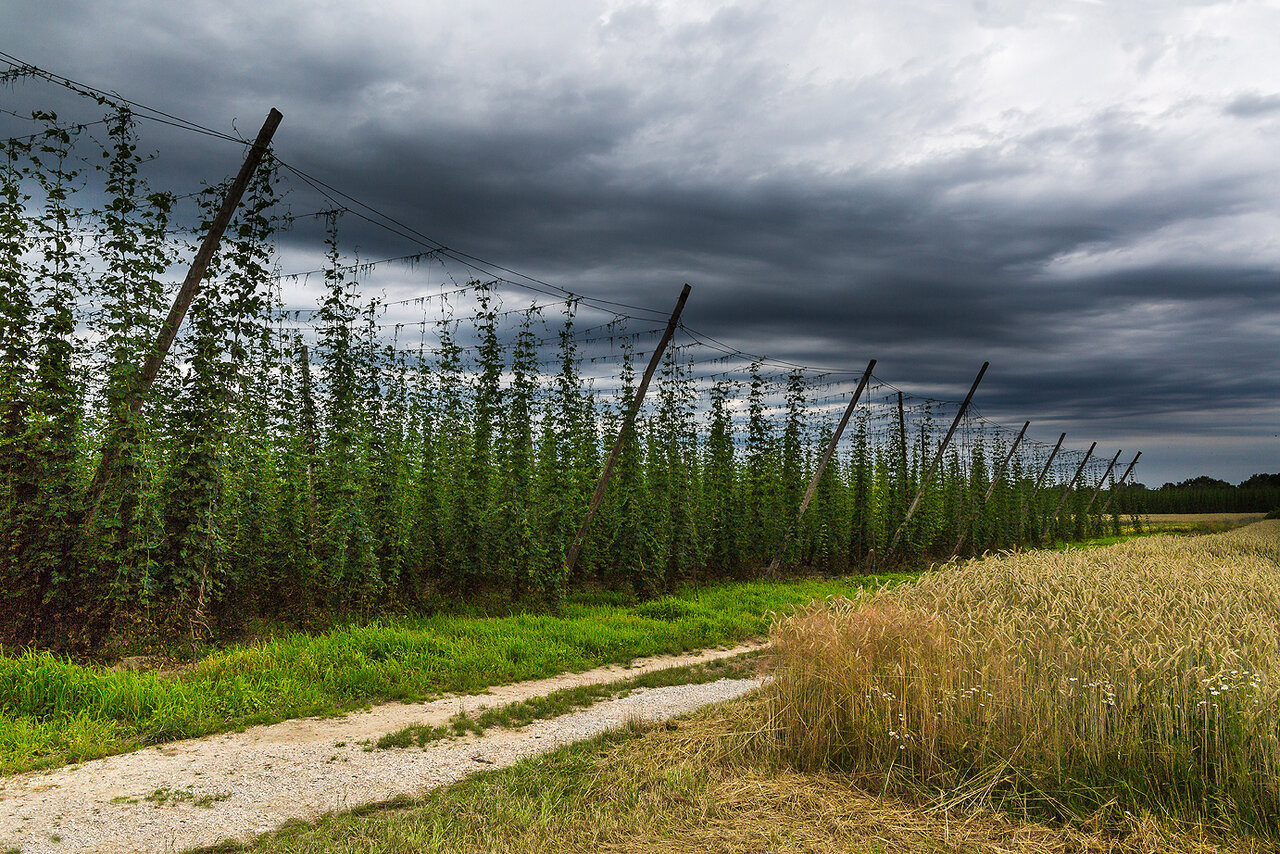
(1091, 256)
(891, 268)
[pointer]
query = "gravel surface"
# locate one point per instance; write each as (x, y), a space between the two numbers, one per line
(238, 785)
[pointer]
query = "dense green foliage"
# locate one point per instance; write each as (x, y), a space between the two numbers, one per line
(301, 471)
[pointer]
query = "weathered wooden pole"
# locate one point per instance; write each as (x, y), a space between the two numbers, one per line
(1044, 472)
(191, 285)
(1101, 480)
(927, 475)
(822, 465)
(186, 293)
(628, 421)
(995, 478)
(1119, 483)
(902, 441)
(1067, 491)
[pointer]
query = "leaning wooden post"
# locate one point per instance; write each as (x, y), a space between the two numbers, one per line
(1119, 483)
(1066, 493)
(904, 475)
(927, 475)
(822, 465)
(191, 284)
(628, 421)
(995, 478)
(1044, 472)
(902, 443)
(1101, 480)
(187, 293)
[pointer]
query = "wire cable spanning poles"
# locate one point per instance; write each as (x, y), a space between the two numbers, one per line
(628, 423)
(822, 465)
(937, 460)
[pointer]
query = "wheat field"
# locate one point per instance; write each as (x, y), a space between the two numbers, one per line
(1141, 675)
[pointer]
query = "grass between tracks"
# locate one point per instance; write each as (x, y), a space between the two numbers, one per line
(567, 700)
(53, 711)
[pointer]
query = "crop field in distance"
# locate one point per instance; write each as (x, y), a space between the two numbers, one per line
(1162, 519)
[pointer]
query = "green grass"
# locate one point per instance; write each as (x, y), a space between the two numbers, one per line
(564, 701)
(53, 711)
(160, 797)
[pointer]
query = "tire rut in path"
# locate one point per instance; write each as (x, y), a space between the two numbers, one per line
(238, 785)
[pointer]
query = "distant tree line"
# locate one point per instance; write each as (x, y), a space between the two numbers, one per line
(1259, 493)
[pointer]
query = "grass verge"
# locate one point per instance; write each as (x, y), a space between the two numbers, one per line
(564, 701)
(53, 711)
(699, 787)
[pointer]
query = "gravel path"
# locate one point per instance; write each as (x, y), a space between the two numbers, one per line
(237, 785)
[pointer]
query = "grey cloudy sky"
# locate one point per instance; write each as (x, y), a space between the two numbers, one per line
(1083, 193)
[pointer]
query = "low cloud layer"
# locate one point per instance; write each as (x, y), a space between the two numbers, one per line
(1083, 194)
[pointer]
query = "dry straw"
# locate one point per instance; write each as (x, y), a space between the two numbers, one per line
(1061, 683)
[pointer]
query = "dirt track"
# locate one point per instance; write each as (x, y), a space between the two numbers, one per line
(237, 785)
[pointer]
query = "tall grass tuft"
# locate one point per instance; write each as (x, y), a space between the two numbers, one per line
(1145, 674)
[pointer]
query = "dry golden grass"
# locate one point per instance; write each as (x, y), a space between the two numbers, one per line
(1074, 683)
(743, 804)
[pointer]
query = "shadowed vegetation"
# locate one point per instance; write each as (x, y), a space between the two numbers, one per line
(557, 703)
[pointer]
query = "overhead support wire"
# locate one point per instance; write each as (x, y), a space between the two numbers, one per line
(433, 248)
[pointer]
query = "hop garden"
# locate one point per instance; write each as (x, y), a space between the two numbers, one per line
(314, 450)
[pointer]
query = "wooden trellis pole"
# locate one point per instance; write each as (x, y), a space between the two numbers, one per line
(204, 255)
(995, 478)
(1067, 491)
(902, 442)
(186, 294)
(1045, 471)
(628, 422)
(1101, 480)
(1119, 483)
(927, 475)
(822, 465)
